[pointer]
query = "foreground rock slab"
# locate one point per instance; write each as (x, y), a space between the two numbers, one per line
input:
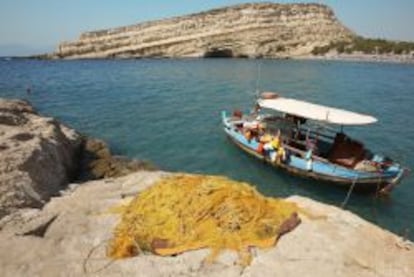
(68, 238)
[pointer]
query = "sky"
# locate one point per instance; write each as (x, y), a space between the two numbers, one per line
(38, 26)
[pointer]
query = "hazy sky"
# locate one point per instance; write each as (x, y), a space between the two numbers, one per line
(28, 26)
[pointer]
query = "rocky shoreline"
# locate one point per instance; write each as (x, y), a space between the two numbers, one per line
(358, 57)
(39, 156)
(54, 223)
(355, 57)
(97, 162)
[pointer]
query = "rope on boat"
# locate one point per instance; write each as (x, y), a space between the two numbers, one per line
(349, 193)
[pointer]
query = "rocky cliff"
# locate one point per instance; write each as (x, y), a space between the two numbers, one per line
(39, 156)
(248, 30)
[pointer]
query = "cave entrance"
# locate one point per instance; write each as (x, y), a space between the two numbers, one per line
(219, 53)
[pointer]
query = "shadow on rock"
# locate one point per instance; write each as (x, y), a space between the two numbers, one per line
(97, 162)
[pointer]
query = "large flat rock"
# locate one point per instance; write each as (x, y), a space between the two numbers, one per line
(68, 238)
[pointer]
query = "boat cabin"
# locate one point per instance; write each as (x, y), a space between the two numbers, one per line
(304, 127)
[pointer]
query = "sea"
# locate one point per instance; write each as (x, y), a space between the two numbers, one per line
(168, 112)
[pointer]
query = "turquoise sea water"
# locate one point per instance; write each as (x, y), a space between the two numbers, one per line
(168, 112)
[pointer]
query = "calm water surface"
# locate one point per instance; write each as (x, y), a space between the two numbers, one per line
(168, 111)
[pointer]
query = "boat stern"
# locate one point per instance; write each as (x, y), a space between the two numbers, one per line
(397, 173)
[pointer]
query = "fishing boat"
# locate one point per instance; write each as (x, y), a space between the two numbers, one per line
(300, 138)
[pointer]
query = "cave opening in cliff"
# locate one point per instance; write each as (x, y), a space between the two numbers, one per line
(219, 53)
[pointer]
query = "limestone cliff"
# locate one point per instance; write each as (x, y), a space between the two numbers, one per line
(247, 30)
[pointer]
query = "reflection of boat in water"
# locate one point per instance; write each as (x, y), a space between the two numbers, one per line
(295, 136)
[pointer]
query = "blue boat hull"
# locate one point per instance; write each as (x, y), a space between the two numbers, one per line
(320, 170)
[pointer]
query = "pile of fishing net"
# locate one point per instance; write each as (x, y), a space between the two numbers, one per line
(188, 212)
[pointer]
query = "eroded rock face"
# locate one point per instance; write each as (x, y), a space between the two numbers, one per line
(38, 156)
(98, 162)
(248, 30)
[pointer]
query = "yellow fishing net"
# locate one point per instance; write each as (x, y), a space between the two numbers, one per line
(188, 212)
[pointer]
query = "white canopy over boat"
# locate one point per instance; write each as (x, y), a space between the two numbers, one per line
(316, 112)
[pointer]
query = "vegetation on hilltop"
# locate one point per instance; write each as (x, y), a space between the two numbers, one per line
(367, 46)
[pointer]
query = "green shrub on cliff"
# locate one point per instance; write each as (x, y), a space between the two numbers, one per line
(367, 46)
(321, 50)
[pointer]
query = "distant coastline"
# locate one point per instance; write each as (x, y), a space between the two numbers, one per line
(359, 57)
(354, 57)
(253, 30)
